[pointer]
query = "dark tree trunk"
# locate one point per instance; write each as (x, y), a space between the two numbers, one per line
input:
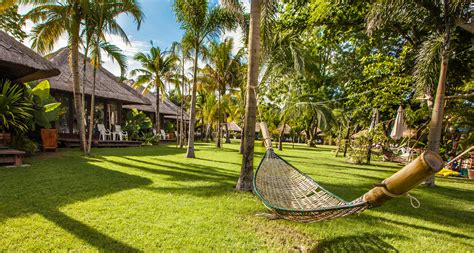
(218, 135)
(280, 141)
(181, 128)
(157, 111)
(246, 173)
(346, 142)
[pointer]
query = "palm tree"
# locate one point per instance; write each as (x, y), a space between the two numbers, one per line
(200, 23)
(438, 19)
(157, 68)
(261, 21)
(222, 71)
(53, 20)
(102, 20)
(182, 50)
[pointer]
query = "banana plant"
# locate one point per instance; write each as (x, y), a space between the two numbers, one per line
(46, 108)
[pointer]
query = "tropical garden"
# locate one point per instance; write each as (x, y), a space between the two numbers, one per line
(350, 92)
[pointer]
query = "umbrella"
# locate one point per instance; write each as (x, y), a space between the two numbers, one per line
(399, 126)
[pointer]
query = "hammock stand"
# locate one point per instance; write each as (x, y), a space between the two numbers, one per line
(292, 195)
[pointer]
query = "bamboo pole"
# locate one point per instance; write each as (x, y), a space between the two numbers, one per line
(266, 135)
(400, 183)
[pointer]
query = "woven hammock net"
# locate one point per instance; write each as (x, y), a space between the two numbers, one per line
(292, 195)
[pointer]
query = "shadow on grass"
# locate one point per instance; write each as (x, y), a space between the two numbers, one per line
(51, 183)
(360, 243)
(86, 233)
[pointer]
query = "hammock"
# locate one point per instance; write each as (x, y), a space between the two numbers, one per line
(292, 195)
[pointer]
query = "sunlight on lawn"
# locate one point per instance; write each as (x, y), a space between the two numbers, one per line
(152, 198)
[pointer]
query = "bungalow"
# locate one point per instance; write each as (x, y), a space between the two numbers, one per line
(20, 64)
(111, 95)
(169, 112)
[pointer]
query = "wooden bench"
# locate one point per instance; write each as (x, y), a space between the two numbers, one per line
(12, 156)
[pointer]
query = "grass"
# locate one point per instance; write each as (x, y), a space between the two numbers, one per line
(152, 198)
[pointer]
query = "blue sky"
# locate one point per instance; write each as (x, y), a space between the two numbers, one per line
(159, 26)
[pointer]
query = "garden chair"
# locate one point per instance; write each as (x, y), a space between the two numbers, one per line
(119, 133)
(163, 134)
(103, 132)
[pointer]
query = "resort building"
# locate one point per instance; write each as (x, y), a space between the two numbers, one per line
(111, 94)
(20, 64)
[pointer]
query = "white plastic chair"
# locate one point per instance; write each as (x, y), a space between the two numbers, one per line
(103, 132)
(118, 132)
(163, 134)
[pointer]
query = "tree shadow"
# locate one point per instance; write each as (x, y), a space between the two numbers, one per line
(85, 232)
(358, 243)
(46, 186)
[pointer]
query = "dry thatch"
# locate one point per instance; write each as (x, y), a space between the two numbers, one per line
(21, 64)
(168, 108)
(232, 126)
(107, 85)
(287, 129)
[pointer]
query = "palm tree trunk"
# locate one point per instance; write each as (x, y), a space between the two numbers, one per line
(157, 110)
(91, 119)
(192, 120)
(436, 124)
(218, 141)
(181, 129)
(246, 173)
(227, 134)
(74, 58)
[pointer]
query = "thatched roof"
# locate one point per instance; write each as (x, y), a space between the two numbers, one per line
(21, 64)
(232, 126)
(287, 129)
(166, 106)
(107, 85)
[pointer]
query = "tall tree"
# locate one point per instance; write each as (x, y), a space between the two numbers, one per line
(200, 23)
(158, 67)
(438, 19)
(54, 19)
(102, 21)
(182, 50)
(222, 70)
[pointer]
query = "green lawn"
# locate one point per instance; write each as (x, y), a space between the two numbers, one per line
(152, 198)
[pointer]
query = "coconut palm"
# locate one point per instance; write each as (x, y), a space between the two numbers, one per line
(182, 50)
(223, 71)
(101, 21)
(200, 23)
(438, 19)
(158, 68)
(53, 19)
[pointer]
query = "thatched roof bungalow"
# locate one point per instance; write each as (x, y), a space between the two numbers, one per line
(169, 112)
(19, 63)
(111, 93)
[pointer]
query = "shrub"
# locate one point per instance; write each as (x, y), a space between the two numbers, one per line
(23, 143)
(136, 123)
(15, 108)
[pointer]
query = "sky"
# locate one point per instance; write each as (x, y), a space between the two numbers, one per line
(159, 26)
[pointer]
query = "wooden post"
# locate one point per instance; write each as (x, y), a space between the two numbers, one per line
(411, 175)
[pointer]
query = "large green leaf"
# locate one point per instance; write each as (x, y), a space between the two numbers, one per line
(51, 106)
(42, 90)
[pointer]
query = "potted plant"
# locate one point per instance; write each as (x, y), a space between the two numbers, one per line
(47, 110)
(15, 111)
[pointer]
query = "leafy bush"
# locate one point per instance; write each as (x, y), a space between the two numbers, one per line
(23, 143)
(136, 123)
(46, 108)
(15, 109)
